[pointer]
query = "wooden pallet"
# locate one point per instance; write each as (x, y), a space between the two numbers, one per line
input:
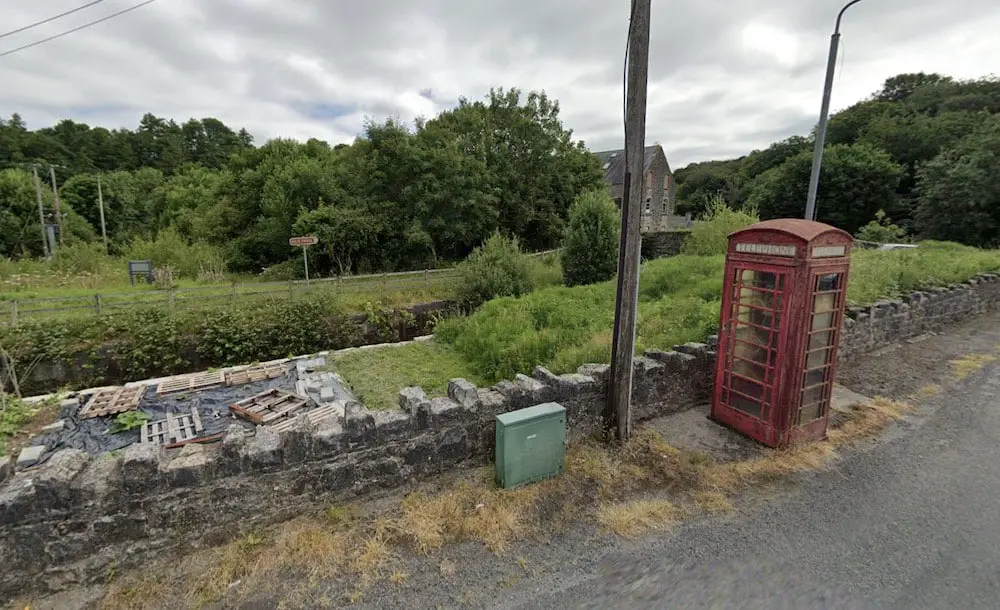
(257, 372)
(268, 406)
(182, 428)
(315, 416)
(189, 383)
(111, 401)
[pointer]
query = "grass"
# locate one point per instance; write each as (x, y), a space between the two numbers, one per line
(643, 486)
(969, 364)
(377, 375)
(19, 421)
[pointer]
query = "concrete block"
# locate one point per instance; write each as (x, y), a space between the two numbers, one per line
(56, 426)
(30, 455)
(327, 393)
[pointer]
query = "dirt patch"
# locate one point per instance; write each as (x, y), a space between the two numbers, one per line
(915, 368)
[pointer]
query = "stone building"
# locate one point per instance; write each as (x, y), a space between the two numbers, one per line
(660, 189)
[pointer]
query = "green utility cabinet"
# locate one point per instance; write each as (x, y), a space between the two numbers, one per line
(531, 444)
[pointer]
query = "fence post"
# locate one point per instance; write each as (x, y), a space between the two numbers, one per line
(170, 298)
(234, 292)
(291, 290)
(385, 282)
(97, 304)
(427, 279)
(13, 312)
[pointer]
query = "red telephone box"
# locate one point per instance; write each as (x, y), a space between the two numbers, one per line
(782, 310)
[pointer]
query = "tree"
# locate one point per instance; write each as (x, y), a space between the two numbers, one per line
(700, 183)
(959, 190)
(534, 167)
(900, 87)
(855, 182)
(590, 247)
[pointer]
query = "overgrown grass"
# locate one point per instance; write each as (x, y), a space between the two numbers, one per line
(645, 485)
(19, 419)
(562, 328)
(377, 375)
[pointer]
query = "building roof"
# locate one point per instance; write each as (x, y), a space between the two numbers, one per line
(613, 162)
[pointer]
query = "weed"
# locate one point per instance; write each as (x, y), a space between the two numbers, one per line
(399, 578)
(969, 364)
(129, 420)
(631, 518)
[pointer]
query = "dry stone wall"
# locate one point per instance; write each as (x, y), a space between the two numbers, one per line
(75, 516)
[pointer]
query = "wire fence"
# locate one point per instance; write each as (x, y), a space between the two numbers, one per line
(429, 283)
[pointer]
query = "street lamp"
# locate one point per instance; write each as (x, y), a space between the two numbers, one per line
(824, 111)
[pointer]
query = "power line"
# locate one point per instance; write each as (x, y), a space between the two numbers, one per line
(44, 21)
(77, 28)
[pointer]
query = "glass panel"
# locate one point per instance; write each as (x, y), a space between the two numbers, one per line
(813, 377)
(813, 395)
(817, 359)
(767, 319)
(767, 300)
(828, 282)
(760, 279)
(822, 321)
(750, 352)
(821, 339)
(751, 389)
(809, 413)
(753, 334)
(744, 404)
(749, 370)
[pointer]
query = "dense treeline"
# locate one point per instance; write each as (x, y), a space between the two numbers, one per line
(398, 197)
(925, 149)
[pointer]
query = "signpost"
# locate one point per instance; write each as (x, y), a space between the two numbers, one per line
(304, 241)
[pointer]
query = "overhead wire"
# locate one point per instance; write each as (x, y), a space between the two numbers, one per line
(77, 28)
(53, 18)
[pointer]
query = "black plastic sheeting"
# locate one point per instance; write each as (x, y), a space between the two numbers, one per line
(91, 435)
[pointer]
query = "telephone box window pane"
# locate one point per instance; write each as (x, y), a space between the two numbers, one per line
(750, 352)
(809, 413)
(821, 339)
(751, 389)
(760, 279)
(822, 321)
(745, 404)
(828, 282)
(810, 378)
(818, 358)
(757, 298)
(757, 317)
(813, 395)
(749, 370)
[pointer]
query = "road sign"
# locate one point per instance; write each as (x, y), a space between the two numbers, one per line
(307, 240)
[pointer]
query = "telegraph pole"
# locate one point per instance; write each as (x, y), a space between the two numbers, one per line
(41, 211)
(55, 201)
(627, 297)
(100, 206)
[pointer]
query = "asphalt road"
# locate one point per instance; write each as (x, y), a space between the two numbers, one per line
(912, 522)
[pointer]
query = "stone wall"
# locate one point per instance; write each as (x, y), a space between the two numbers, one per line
(657, 244)
(70, 519)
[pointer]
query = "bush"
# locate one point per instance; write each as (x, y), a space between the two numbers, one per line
(168, 248)
(590, 246)
(710, 235)
(881, 230)
(495, 269)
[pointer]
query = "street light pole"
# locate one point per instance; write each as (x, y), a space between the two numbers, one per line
(831, 63)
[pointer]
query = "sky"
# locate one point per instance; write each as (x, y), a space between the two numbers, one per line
(725, 76)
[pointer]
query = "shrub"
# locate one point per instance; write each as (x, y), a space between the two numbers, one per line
(710, 235)
(590, 246)
(168, 248)
(495, 269)
(881, 230)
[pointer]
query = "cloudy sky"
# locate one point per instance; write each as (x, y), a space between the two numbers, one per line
(726, 76)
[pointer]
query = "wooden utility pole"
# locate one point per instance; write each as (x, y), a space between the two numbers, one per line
(100, 206)
(55, 202)
(623, 343)
(41, 211)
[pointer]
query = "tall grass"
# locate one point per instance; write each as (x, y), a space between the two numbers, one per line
(710, 234)
(561, 328)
